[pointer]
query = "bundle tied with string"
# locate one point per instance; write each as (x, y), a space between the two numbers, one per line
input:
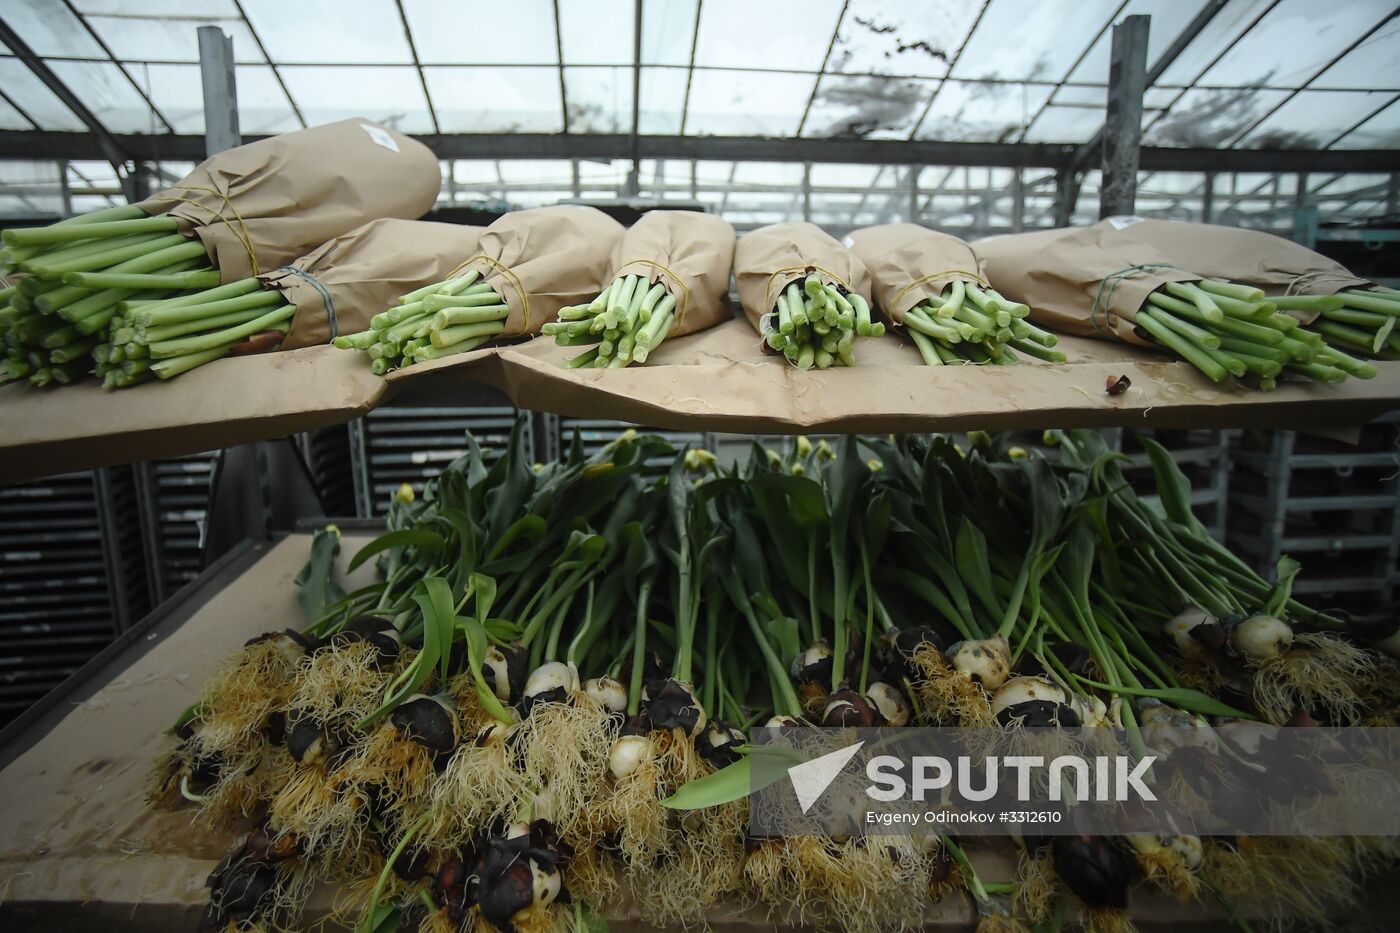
(932, 285)
(262, 205)
(1249, 257)
(1350, 313)
(806, 294)
(526, 266)
(1101, 281)
(670, 277)
(542, 259)
(237, 215)
(1086, 281)
(337, 288)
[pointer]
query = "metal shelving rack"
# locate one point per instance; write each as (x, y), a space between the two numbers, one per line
(72, 578)
(173, 499)
(396, 444)
(1334, 507)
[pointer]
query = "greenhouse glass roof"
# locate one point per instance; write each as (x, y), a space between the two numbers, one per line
(1261, 73)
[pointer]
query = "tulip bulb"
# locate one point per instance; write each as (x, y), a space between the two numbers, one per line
(987, 660)
(607, 693)
(890, 702)
(1261, 638)
(1179, 628)
(627, 754)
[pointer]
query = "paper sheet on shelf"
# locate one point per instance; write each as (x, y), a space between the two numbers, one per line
(231, 401)
(719, 380)
(716, 380)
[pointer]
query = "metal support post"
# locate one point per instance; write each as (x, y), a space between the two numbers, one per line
(1122, 139)
(359, 469)
(634, 176)
(913, 178)
(220, 90)
(1208, 199)
(65, 191)
(111, 558)
(1066, 196)
(1018, 201)
(807, 191)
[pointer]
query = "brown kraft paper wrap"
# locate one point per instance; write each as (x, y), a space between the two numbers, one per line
(910, 264)
(691, 254)
(1250, 257)
(339, 286)
(1087, 281)
(767, 259)
(260, 206)
(543, 259)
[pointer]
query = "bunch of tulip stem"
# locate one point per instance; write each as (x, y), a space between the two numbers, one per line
(567, 550)
(815, 325)
(164, 337)
(75, 277)
(437, 320)
(1361, 320)
(1227, 329)
(626, 323)
(970, 324)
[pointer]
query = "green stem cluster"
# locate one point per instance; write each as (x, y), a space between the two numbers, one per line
(814, 325)
(438, 320)
(625, 324)
(970, 324)
(1226, 329)
(76, 280)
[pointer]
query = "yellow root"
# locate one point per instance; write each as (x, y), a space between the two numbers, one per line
(439, 921)
(1105, 920)
(325, 821)
(564, 750)
(476, 789)
(1037, 888)
(238, 699)
(1183, 796)
(342, 684)
(1201, 673)
(775, 874)
(948, 697)
(1000, 923)
(1320, 672)
(295, 882)
(884, 885)
(633, 807)
(236, 798)
(1284, 879)
(352, 898)
(399, 769)
(1168, 871)
(593, 877)
(848, 884)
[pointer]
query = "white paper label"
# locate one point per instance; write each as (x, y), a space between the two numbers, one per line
(380, 137)
(1122, 223)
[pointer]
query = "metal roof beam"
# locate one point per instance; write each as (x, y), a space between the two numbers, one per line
(1164, 61)
(41, 144)
(106, 143)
